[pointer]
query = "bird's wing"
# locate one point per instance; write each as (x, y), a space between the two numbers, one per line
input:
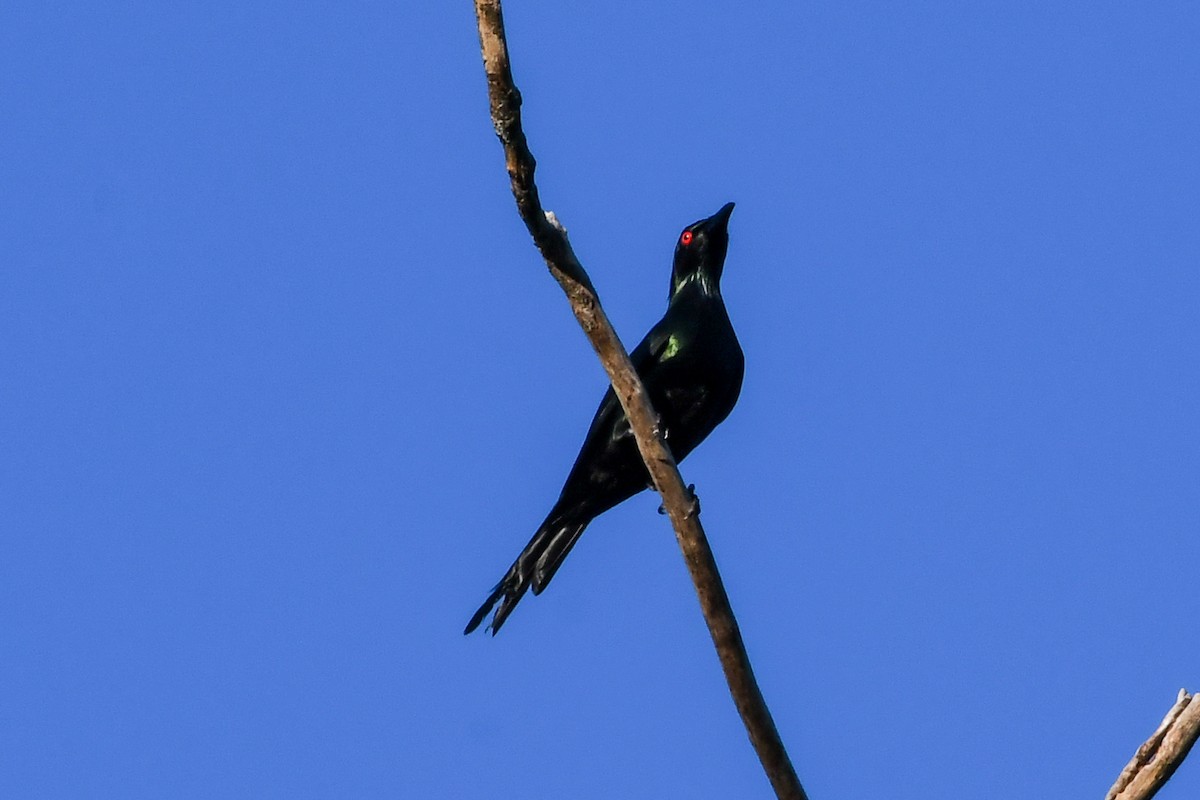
(650, 350)
(645, 358)
(610, 425)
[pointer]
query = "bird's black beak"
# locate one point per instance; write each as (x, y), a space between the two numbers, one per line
(720, 220)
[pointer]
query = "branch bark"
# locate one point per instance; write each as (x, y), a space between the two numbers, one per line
(552, 242)
(1157, 759)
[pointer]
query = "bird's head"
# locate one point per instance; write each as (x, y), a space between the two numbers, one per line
(700, 253)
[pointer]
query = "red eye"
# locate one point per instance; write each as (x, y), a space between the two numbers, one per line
(686, 239)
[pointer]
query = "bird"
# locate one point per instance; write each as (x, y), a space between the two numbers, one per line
(691, 364)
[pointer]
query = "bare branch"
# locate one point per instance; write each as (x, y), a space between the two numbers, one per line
(551, 240)
(1157, 759)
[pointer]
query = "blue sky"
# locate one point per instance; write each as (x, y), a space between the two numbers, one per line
(284, 387)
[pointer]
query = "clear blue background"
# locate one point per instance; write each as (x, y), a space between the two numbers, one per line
(284, 387)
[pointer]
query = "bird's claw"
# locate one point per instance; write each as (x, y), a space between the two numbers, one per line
(693, 510)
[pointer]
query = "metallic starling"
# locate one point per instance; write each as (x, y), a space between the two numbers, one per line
(691, 364)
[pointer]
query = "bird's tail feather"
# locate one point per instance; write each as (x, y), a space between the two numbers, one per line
(534, 568)
(554, 553)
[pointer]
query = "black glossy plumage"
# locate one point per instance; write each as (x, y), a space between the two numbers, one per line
(691, 364)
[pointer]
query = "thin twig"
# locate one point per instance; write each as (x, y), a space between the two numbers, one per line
(551, 240)
(1157, 759)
